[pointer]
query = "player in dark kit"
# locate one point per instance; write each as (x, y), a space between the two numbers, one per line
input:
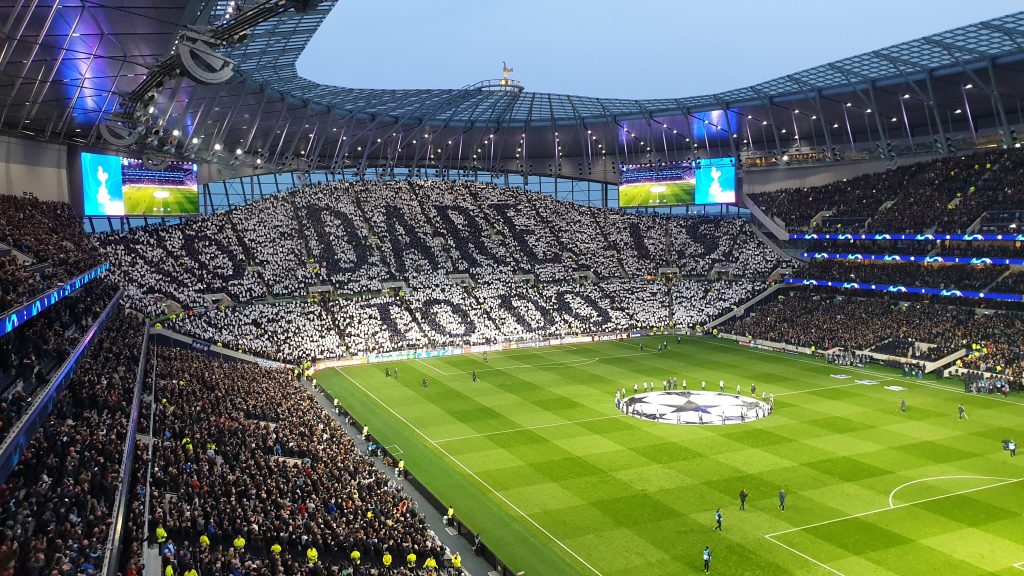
(782, 500)
(425, 383)
(718, 519)
(387, 372)
(474, 376)
(743, 499)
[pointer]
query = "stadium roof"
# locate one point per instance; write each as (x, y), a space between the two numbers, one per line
(270, 62)
(65, 68)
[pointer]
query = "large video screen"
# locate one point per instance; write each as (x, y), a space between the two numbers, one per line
(115, 186)
(716, 180)
(709, 181)
(660, 185)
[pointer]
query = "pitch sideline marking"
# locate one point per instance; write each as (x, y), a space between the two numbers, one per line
(817, 389)
(513, 352)
(828, 387)
(900, 487)
(471, 473)
(529, 428)
(795, 551)
(868, 513)
(432, 367)
(861, 370)
(555, 363)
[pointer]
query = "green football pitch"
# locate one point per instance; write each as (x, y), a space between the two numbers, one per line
(536, 458)
(160, 200)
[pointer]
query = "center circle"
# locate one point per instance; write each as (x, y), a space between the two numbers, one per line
(694, 407)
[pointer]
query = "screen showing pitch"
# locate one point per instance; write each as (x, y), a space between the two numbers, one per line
(660, 185)
(706, 181)
(115, 186)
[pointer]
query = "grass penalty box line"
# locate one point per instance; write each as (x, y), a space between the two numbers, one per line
(772, 536)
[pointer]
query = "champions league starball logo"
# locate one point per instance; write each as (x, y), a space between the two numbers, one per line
(694, 407)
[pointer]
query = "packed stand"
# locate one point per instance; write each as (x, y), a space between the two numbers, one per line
(353, 237)
(18, 284)
(259, 479)
(697, 302)
(48, 232)
(941, 276)
(58, 499)
(947, 194)
(31, 352)
(820, 319)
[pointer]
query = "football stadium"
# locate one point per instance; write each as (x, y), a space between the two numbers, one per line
(468, 320)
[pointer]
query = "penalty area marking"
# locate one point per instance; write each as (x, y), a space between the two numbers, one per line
(473, 474)
(902, 486)
(396, 450)
(890, 507)
(1019, 565)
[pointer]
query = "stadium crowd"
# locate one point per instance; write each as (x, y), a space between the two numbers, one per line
(259, 479)
(354, 237)
(947, 194)
(30, 353)
(446, 314)
(51, 235)
(823, 320)
(251, 476)
(58, 499)
(944, 276)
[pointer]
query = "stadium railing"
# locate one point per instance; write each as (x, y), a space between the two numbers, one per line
(111, 558)
(35, 416)
(31, 308)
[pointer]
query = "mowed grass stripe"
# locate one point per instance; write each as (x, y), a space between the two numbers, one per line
(636, 497)
(961, 532)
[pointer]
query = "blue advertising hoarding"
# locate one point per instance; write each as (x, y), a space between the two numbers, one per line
(19, 315)
(937, 259)
(895, 288)
(919, 237)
